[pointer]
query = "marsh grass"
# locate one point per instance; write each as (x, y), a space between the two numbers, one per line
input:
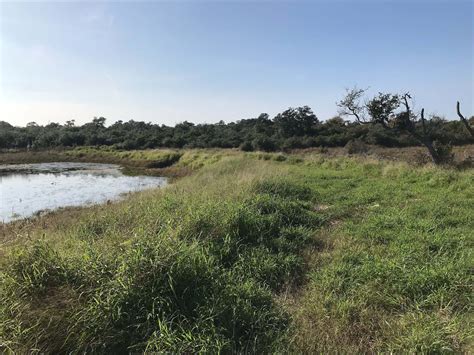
(396, 276)
(193, 267)
(173, 163)
(254, 252)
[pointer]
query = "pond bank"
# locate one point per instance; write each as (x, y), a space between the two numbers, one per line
(146, 165)
(170, 163)
(28, 189)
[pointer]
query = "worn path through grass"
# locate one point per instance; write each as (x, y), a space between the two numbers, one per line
(396, 271)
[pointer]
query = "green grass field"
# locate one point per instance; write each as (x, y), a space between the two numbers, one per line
(251, 252)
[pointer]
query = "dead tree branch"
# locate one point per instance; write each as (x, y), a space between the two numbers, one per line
(464, 120)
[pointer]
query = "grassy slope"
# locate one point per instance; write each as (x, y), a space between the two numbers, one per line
(254, 252)
(162, 162)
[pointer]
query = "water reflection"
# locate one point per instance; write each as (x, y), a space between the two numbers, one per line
(34, 188)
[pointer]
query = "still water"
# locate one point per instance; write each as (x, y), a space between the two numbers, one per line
(29, 188)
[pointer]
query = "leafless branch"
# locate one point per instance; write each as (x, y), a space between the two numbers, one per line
(464, 120)
(423, 121)
(350, 105)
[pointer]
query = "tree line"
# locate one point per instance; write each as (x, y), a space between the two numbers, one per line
(385, 120)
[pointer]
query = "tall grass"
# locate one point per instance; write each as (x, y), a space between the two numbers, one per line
(254, 253)
(192, 268)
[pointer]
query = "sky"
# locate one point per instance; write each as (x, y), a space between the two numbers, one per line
(203, 61)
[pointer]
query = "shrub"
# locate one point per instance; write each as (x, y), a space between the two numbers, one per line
(246, 146)
(279, 157)
(292, 143)
(265, 144)
(356, 146)
(444, 151)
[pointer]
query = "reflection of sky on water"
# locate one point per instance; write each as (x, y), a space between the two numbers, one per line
(21, 195)
(55, 167)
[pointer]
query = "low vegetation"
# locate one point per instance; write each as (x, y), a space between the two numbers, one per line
(162, 162)
(394, 124)
(253, 252)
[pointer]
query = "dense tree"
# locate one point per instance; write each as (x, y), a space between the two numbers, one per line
(294, 128)
(296, 121)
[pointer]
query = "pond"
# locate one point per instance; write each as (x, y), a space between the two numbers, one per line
(28, 189)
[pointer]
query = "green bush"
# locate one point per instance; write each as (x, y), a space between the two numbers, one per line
(444, 151)
(356, 146)
(246, 146)
(265, 144)
(280, 157)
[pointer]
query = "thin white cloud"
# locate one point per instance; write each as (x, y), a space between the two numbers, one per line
(98, 14)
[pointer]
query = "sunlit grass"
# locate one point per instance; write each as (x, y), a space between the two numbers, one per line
(254, 252)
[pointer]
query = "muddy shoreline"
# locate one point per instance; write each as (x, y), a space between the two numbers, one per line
(54, 168)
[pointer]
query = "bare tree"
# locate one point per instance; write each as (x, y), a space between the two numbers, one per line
(350, 105)
(464, 120)
(391, 111)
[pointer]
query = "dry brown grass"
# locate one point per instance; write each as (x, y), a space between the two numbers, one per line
(463, 155)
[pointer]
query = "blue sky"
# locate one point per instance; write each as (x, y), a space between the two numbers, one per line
(202, 61)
